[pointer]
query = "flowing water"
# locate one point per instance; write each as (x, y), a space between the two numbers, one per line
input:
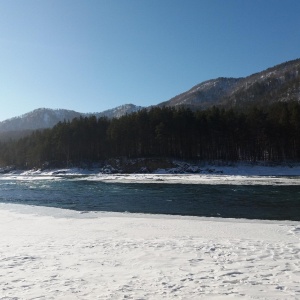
(236, 199)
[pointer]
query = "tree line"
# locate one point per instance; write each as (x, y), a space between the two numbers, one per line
(259, 134)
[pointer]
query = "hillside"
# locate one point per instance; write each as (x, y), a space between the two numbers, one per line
(46, 118)
(279, 83)
(119, 111)
(38, 119)
(269, 134)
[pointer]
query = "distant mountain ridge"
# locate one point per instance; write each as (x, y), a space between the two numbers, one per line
(279, 83)
(38, 119)
(205, 94)
(119, 111)
(42, 118)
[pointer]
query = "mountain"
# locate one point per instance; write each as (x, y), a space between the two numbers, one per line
(38, 119)
(119, 111)
(46, 118)
(205, 94)
(279, 83)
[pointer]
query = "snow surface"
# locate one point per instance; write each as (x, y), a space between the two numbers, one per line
(50, 253)
(208, 174)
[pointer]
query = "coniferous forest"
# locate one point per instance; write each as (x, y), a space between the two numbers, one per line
(269, 133)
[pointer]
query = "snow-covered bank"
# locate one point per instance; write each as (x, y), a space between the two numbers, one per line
(49, 253)
(246, 169)
(236, 175)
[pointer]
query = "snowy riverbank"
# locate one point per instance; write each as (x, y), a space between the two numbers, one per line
(241, 174)
(136, 166)
(49, 253)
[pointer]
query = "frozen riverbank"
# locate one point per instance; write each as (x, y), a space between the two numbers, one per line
(241, 174)
(188, 168)
(175, 167)
(49, 253)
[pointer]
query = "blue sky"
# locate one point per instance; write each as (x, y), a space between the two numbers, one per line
(93, 55)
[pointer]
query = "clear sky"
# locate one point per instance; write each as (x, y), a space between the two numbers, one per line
(93, 55)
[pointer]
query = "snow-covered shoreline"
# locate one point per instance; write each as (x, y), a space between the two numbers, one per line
(237, 175)
(52, 253)
(49, 253)
(183, 168)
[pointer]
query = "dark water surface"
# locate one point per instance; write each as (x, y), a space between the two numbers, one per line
(273, 202)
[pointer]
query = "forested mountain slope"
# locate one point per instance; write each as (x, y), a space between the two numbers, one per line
(279, 83)
(38, 119)
(46, 118)
(245, 119)
(258, 134)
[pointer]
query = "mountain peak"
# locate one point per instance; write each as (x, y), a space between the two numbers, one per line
(42, 118)
(39, 118)
(119, 111)
(279, 83)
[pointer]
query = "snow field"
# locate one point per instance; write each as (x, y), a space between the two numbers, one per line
(48, 253)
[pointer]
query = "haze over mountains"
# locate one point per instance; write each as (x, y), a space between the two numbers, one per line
(279, 83)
